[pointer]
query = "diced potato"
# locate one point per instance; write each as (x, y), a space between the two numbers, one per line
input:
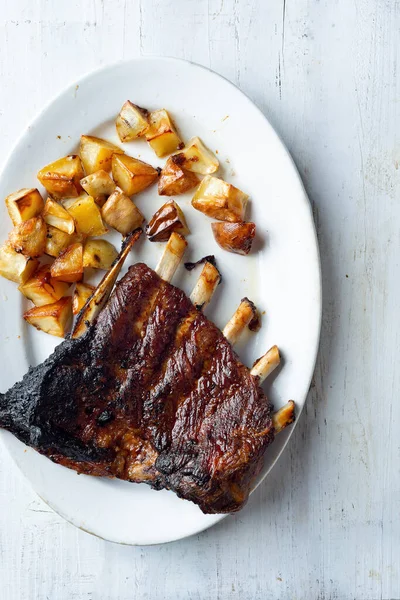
(162, 135)
(82, 293)
(121, 213)
(24, 205)
(99, 185)
(132, 122)
(197, 158)
(42, 288)
(86, 214)
(99, 254)
(16, 266)
(29, 237)
(52, 318)
(131, 174)
(69, 265)
(62, 177)
(166, 220)
(220, 200)
(234, 237)
(56, 241)
(96, 154)
(174, 180)
(54, 214)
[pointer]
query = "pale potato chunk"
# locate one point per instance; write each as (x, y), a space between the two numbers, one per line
(166, 220)
(62, 177)
(42, 288)
(221, 200)
(99, 185)
(132, 122)
(54, 214)
(82, 293)
(99, 254)
(68, 266)
(121, 213)
(56, 241)
(52, 318)
(29, 237)
(234, 237)
(131, 174)
(16, 266)
(96, 154)
(197, 158)
(86, 214)
(24, 205)
(174, 180)
(162, 135)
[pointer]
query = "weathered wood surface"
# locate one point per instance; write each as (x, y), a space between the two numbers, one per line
(326, 524)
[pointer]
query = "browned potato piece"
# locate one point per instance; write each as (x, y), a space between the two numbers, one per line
(234, 237)
(96, 154)
(99, 185)
(121, 213)
(86, 215)
(174, 180)
(162, 135)
(16, 266)
(132, 122)
(131, 174)
(99, 254)
(221, 200)
(24, 204)
(69, 265)
(82, 292)
(42, 289)
(197, 158)
(51, 318)
(167, 219)
(56, 241)
(29, 237)
(54, 214)
(62, 177)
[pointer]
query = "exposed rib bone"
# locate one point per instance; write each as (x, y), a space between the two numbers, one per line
(101, 294)
(266, 364)
(284, 416)
(245, 312)
(205, 286)
(172, 256)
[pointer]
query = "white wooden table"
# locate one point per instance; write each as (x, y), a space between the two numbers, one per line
(326, 523)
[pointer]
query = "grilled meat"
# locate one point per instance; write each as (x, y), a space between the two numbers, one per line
(152, 392)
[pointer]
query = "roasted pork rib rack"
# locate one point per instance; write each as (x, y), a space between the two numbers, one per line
(147, 389)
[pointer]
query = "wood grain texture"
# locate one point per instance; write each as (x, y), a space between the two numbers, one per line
(326, 523)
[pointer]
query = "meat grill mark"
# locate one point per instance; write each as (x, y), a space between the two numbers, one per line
(153, 393)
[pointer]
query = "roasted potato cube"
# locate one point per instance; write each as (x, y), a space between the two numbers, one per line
(132, 122)
(51, 318)
(99, 254)
(16, 266)
(175, 180)
(29, 237)
(221, 200)
(96, 154)
(234, 237)
(42, 288)
(99, 185)
(162, 135)
(24, 205)
(166, 220)
(82, 293)
(196, 157)
(86, 215)
(121, 213)
(62, 177)
(68, 266)
(54, 214)
(57, 240)
(131, 174)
